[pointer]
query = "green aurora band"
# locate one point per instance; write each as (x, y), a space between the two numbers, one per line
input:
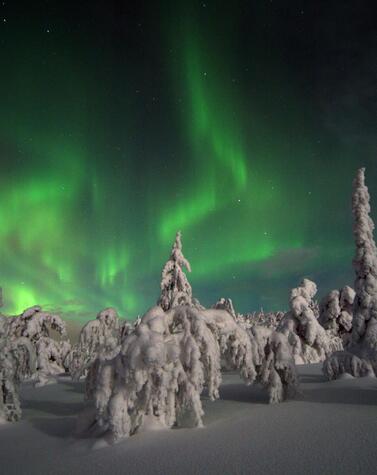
(90, 203)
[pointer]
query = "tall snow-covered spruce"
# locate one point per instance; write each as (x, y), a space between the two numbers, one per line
(365, 265)
(361, 357)
(175, 288)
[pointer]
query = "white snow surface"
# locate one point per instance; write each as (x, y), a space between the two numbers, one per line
(329, 429)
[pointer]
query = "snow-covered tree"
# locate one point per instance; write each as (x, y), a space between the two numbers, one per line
(36, 325)
(99, 339)
(127, 327)
(175, 288)
(309, 340)
(361, 356)
(17, 362)
(365, 265)
(336, 312)
(260, 319)
(226, 304)
(157, 377)
(260, 354)
(250, 320)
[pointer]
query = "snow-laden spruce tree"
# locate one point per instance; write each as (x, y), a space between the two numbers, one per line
(360, 359)
(175, 288)
(36, 325)
(309, 340)
(253, 319)
(163, 366)
(260, 319)
(336, 313)
(226, 304)
(127, 327)
(99, 339)
(17, 362)
(270, 363)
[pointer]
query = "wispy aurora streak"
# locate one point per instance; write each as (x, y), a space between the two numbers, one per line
(225, 178)
(216, 147)
(111, 142)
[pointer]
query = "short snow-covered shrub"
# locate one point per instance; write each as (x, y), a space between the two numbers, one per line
(36, 325)
(309, 340)
(336, 312)
(99, 339)
(17, 362)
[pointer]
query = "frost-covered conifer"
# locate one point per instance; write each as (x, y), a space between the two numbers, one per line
(226, 304)
(336, 311)
(361, 356)
(260, 354)
(260, 319)
(309, 340)
(250, 320)
(276, 368)
(365, 265)
(157, 377)
(175, 288)
(17, 362)
(98, 340)
(36, 325)
(127, 327)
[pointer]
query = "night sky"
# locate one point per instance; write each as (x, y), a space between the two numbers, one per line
(240, 123)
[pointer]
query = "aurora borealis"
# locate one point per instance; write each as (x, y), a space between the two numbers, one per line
(242, 125)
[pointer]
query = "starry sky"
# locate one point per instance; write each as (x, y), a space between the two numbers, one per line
(239, 123)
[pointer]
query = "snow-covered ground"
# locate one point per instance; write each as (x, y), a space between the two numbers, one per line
(331, 428)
